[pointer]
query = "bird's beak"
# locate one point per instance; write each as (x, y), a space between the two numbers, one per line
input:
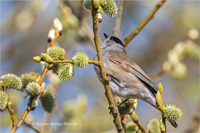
(106, 36)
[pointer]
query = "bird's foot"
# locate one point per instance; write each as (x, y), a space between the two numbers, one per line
(108, 78)
(111, 107)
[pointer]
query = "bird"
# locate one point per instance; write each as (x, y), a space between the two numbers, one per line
(126, 78)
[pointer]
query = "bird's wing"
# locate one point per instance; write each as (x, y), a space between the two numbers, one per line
(124, 61)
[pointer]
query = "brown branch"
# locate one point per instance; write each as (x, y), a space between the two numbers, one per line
(43, 75)
(143, 23)
(21, 120)
(118, 19)
(31, 127)
(136, 121)
(11, 111)
(108, 93)
(158, 75)
(124, 121)
(95, 62)
(54, 40)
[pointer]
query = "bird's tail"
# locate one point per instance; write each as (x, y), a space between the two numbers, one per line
(174, 124)
(155, 105)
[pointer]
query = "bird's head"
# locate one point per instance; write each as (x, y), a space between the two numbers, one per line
(112, 43)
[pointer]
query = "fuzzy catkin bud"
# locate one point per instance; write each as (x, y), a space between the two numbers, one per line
(29, 77)
(172, 112)
(66, 72)
(134, 116)
(4, 85)
(51, 35)
(160, 88)
(56, 52)
(173, 57)
(102, 2)
(57, 25)
(96, 3)
(13, 81)
(47, 99)
(46, 58)
(3, 100)
(179, 71)
(154, 126)
(80, 59)
(34, 102)
(131, 127)
(99, 17)
(33, 89)
(56, 67)
(162, 127)
(110, 8)
(37, 59)
(193, 34)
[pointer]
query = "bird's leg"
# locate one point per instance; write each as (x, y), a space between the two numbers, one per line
(112, 107)
(122, 102)
(108, 78)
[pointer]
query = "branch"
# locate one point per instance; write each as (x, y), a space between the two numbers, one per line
(31, 127)
(11, 111)
(134, 118)
(158, 75)
(124, 121)
(22, 119)
(108, 93)
(54, 40)
(118, 19)
(143, 23)
(95, 62)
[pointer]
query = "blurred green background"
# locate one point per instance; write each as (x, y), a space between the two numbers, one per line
(81, 101)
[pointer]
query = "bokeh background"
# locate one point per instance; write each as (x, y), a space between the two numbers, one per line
(81, 101)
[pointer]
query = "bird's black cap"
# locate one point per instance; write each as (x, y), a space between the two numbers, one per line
(117, 40)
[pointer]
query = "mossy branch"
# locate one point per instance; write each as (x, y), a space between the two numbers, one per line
(108, 93)
(143, 23)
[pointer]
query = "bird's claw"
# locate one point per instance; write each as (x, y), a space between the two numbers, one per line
(113, 113)
(108, 78)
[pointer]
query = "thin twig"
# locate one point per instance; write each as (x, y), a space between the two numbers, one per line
(118, 19)
(21, 120)
(95, 62)
(158, 75)
(108, 93)
(31, 127)
(136, 121)
(164, 122)
(54, 40)
(143, 23)
(11, 111)
(124, 121)
(43, 75)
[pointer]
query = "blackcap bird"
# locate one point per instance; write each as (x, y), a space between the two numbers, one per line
(126, 78)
